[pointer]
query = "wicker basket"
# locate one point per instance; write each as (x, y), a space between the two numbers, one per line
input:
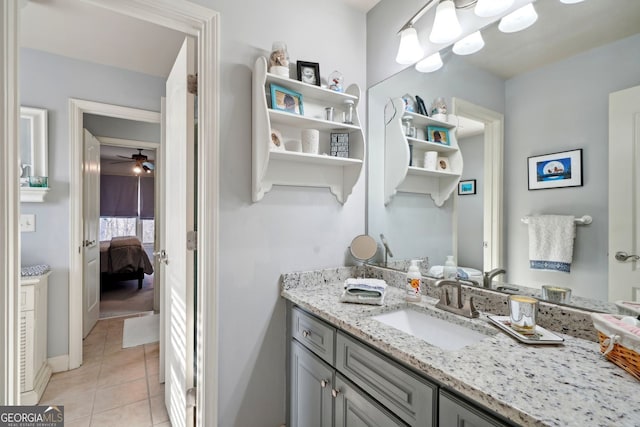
(617, 344)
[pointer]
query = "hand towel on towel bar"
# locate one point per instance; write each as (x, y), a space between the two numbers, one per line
(364, 291)
(551, 242)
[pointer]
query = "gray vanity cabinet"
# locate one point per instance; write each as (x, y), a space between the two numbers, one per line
(311, 381)
(354, 409)
(456, 413)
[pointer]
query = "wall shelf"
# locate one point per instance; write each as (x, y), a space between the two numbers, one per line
(399, 175)
(293, 168)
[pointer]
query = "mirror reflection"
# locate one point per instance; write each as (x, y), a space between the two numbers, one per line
(551, 83)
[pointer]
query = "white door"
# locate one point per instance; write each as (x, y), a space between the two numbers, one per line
(624, 197)
(91, 241)
(179, 266)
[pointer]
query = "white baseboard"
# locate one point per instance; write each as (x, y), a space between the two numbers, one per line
(59, 363)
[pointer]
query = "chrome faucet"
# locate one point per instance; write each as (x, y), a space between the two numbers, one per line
(489, 275)
(387, 251)
(454, 304)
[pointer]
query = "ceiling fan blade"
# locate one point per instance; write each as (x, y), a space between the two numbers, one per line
(119, 161)
(124, 157)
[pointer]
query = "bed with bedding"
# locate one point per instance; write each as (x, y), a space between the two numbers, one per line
(123, 258)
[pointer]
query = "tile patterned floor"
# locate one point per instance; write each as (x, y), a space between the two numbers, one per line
(114, 386)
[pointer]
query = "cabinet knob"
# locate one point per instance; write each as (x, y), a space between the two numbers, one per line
(324, 383)
(305, 333)
(335, 392)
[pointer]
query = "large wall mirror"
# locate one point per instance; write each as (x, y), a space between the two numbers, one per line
(34, 174)
(551, 84)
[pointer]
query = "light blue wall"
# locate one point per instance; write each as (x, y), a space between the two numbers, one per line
(470, 207)
(565, 106)
(120, 128)
(48, 81)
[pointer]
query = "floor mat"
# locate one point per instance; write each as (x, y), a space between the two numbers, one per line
(141, 330)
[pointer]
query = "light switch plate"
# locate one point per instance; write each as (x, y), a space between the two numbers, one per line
(27, 223)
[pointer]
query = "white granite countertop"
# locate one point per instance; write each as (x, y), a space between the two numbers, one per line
(552, 385)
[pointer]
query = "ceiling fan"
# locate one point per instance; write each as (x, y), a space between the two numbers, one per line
(142, 162)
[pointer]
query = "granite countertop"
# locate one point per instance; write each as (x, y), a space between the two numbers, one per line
(554, 385)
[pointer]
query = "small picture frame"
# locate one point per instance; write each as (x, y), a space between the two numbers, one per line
(422, 109)
(443, 164)
(438, 134)
(555, 170)
(286, 100)
(277, 142)
(309, 72)
(466, 187)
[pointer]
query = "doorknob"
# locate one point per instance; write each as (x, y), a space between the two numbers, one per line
(623, 256)
(162, 256)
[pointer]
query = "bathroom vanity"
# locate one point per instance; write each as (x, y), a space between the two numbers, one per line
(347, 368)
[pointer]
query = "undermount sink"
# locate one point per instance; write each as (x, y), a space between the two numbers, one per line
(439, 332)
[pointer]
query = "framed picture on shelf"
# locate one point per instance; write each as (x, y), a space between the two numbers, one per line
(409, 103)
(438, 134)
(467, 187)
(555, 170)
(422, 109)
(286, 100)
(443, 164)
(309, 72)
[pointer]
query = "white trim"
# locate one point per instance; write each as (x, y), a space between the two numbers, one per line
(9, 205)
(77, 108)
(493, 228)
(132, 143)
(204, 25)
(59, 363)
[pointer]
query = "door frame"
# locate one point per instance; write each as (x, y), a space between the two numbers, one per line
(493, 216)
(191, 19)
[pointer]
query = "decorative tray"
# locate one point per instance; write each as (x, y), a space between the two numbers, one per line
(540, 336)
(631, 306)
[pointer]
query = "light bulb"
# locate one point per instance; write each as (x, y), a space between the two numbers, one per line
(446, 27)
(409, 50)
(489, 8)
(137, 169)
(519, 19)
(430, 63)
(468, 45)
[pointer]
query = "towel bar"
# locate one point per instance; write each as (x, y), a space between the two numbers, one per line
(584, 220)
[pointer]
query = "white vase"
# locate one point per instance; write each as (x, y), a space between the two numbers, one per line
(310, 141)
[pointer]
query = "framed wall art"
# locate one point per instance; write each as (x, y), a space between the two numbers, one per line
(308, 72)
(438, 134)
(466, 187)
(555, 170)
(286, 100)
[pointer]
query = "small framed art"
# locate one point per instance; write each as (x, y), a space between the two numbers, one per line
(555, 170)
(308, 72)
(438, 134)
(443, 164)
(286, 100)
(466, 187)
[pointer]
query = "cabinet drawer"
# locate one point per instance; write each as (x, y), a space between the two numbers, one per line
(27, 298)
(411, 398)
(313, 333)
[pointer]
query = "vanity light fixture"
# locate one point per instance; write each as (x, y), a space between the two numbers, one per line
(446, 27)
(571, 1)
(489, 8)
(519, 19)
(430, 63)
(469, 45)
(410, 50)
(137, 169)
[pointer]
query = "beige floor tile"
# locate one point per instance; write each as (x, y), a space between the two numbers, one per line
(112, 374)
(71, 385)
(120, 395)
(152, 350)
(133, 415)
(158, 410)
(155, 388)
(78, 422)
(125, 355)
(164, 424)
(76, 405)
(153, 366)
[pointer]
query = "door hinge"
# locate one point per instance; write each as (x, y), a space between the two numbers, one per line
(192, 397)
(192, 84)
(192, 240)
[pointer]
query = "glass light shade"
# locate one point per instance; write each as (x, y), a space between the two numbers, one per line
(519, 19)
(409, 50)
(446, 27)
(137, 169)
(430, 63)
(489, 8)
(571, 1)
(468, 45)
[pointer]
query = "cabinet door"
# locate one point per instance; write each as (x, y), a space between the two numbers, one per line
(354, 409)
(456, 413)
(310, 389)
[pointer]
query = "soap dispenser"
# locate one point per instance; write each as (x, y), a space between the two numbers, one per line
(414, 282)
(450, 270)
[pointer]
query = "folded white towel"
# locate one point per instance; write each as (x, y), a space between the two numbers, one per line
(364, 291)
(437, 271)
(551, 242)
